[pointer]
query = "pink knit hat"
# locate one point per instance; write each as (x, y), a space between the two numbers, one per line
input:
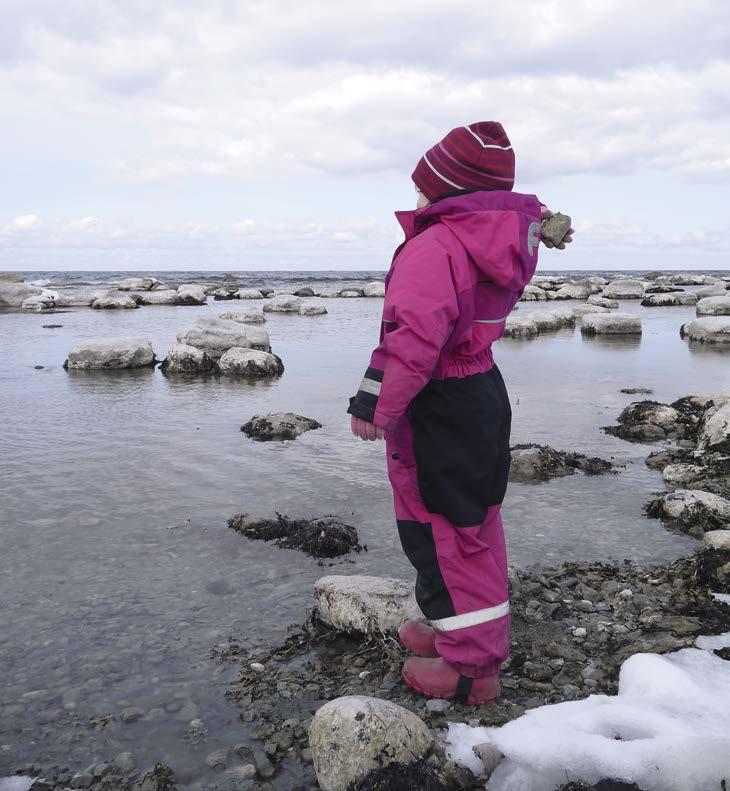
(474, 157)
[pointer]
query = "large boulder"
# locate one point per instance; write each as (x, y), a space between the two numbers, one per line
(12, 295)
(216, 336)
(278, 426)
(110, 353)
(191, 294)
(687, 279)
(674, 298)
(626, 288)
(648, 421)
(249, 293)
(312, 309)
(283, 303)
(239, 361)
(224, 293)
(349, 293)
(717, 539)
(533, 293)
(520, 327)
(712, 291)
(141, 284)
(714, 306)
(711, 329)
(532, 462)
(114, 300)
(611, 324)
(692, 510)
(365, 604)
(715, 434)
(547, 320)
(167, 296)
(248, 315)
(351, 736)
(184, 359)
(374, 289)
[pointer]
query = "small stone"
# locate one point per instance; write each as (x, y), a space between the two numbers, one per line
(123, 763)
(82, 780)
(264, 767)
(132, 714)
(257, 667)
(580, 633)
(438, 706)
(307, 755)
(554, 228)
(217, 760)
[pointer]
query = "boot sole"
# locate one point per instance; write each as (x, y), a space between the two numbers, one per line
(471, 700)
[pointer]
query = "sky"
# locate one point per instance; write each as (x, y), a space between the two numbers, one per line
(242, 134)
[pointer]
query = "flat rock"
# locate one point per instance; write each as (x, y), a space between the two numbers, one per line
(184, 359)
(140, 284)
(554, 228)
(323, 537)
(533, 293)
(111, 353)
(583, 310)
(191, 294)
(676, 298)
(249, 315)
(374, 289)
(114, 300)
(712, 291)
(283, 303)
(365, 604)
(249, 293)
(682, 474)
(626, 288)
(611, 324)
(352, 735)
(692, 510)
(225, 293)
(350, 293)
(312, 309)
(547, 320)
(216, 336)
(12, 295)
(238, 361)
(278, 426)
(168, 296)
(40, 303)
(574, 291)
(520, 327)
(711, 329)
(597, 299)
(648, 421)
(714, 306)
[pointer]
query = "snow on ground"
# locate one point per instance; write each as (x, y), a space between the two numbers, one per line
(668, 729)
(16, 783)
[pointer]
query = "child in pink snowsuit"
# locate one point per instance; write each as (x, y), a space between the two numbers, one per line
(433, 390)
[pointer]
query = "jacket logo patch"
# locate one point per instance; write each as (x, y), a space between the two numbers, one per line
(533, 237)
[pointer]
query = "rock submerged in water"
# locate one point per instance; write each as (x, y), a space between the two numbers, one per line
(278, 426)
(312, 309)
(668, 299)
(141, 284)
(649, 421)
(111, 353)
(166, 296)
(114, 300)
(353, 735)
(714, 306)
(324, 537)
(191, 294)
(626, 288)
(283, 303)
(542, 463)
(12, 295)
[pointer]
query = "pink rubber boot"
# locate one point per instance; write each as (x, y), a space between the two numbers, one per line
(435, 678)
(418, 638)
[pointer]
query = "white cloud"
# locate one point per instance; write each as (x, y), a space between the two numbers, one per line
(24, 222)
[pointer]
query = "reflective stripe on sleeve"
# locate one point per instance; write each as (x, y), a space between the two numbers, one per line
(370, 386)
(471, 618)
(490, 321)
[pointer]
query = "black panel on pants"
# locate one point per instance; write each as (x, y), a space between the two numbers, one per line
(461, 431)
(431, 594)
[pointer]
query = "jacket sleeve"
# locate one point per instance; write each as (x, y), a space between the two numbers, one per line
(418, 316)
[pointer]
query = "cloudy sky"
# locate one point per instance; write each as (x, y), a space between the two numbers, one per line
(242, 134)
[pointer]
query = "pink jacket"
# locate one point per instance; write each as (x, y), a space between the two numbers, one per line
(452, 283)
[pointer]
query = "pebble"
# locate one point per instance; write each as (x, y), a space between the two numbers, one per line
(132, 714)
(257, 667)
(438, 706)
(217, 760)
(123, 763)
(264, 767)
(580, 632)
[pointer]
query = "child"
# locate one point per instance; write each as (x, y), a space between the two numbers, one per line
(433, 390)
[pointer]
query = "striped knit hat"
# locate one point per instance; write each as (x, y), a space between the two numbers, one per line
(474, 157)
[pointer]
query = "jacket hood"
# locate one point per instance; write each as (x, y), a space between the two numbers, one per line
(496, 228)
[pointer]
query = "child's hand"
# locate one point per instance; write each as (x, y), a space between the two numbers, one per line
(545, 213)
(361, 428)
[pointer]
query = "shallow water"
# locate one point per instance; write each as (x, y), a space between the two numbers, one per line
(118, 573)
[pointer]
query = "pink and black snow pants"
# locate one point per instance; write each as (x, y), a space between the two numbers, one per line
(448, 463)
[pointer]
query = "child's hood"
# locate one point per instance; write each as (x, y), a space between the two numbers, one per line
(499, 230)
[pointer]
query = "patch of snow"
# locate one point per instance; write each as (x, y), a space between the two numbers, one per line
(668, 729)
(713, 643)
(721, 597)
(17, 783)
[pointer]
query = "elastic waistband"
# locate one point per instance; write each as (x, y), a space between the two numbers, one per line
(465, 366)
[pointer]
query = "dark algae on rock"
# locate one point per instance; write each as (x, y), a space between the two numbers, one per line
(280, 426)
(532, 462)
(324, 537)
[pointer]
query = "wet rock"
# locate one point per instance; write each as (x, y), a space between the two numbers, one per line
(365, 604)
(324, 537)
(216, 336)
(636, 390)
(278, 426)
(626, 288)
(250, 363)
(714, 571)
(131, 714)
(541, 463)
(111, 353)
(141, 284)
(711, 329)
(533, 293)
(353, 735)
(662, 289)
(312, 309)
(715, 434)
(184, 359)
(284, 303)
(648, 421)
(682, 474)
(245, 316)
(601, 301)
(161, 778)
(249, 293)
(553, 229)
(691, 510)
(114, 300)
(123, 763)
(165, 297)
(82, 780)
(717, 539)
(12, 295)
(264, 767)
(41, 303)
(191, 294)
(374, 289)
(714, 306)
(675, 298)
(520, 327)
(421, 775)
(611, 324)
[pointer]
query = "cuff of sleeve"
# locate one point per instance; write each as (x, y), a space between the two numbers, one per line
(360, 409)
